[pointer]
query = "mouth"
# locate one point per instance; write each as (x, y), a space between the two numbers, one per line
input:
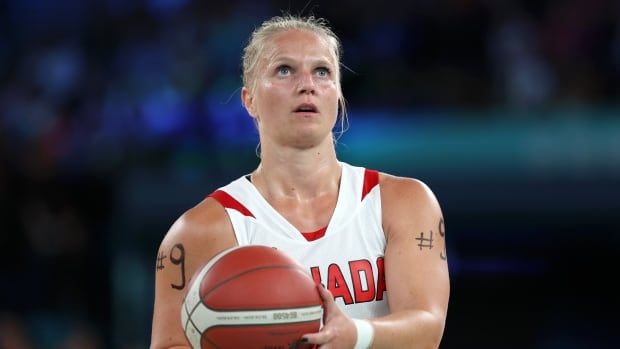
(306, 108)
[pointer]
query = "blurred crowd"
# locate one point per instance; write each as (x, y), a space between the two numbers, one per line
(90, 89)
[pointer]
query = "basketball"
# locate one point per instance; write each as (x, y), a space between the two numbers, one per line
(251, 297)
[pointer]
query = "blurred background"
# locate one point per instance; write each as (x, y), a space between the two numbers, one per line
(118, 115)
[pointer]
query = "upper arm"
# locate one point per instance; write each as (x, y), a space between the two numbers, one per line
(193, 239)
(416, 269)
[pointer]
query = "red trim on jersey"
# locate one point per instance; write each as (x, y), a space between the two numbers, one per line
(371, 179)
(315, 234)
(229, 202)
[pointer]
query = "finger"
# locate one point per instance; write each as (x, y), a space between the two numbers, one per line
(327, 297)
(329, 305)
(319, 338)
(325, 294)
(304, 344)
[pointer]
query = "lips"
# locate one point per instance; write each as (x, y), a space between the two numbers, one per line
(306, 108)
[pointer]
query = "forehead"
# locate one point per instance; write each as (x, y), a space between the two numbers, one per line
(294, 43)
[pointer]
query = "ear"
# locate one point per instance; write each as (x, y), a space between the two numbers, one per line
(248, 101)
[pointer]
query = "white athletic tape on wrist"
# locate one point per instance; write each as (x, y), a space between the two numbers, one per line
(365, 334)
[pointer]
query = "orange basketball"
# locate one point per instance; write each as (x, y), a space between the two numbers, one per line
(251, 297)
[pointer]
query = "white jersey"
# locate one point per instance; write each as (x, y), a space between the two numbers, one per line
(347, 258)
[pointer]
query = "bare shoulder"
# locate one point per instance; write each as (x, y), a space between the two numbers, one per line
(202, 231)
(206, 221)
(393, 185)
(403, 191)
(406, 201)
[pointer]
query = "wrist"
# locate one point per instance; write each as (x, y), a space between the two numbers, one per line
(365, 334)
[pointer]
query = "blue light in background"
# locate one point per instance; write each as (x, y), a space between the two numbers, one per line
(233, 124)
(59, 70)
(164, 111)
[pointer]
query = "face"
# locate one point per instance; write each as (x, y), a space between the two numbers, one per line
(294, 98)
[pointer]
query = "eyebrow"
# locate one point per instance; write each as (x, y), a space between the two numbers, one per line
(288, 59)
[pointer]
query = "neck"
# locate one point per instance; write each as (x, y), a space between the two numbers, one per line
(298, 173)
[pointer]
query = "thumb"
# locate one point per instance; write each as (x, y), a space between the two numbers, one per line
(325, 294)
(328, 300)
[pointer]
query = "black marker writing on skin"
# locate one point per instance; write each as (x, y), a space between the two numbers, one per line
(425, 242)
(442, 231)
(177, 257)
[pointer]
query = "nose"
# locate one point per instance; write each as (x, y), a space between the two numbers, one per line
(306, 84)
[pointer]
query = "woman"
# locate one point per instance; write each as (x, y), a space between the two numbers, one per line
(375, 241)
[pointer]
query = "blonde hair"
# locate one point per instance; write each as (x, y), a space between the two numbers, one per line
(268, 29)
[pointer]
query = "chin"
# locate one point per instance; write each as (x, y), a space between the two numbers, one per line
(308, 140)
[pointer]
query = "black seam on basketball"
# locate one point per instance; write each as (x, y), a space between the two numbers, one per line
(196, 327)
(237, 275)
(189, 319)
(189, 316)
(224, 253)
(210, 341)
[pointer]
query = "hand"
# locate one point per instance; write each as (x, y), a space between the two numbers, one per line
(338, 331)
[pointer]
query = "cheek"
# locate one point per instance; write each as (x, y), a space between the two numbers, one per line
(334, 93)
(265, 91)
(332, 86)
(271, 91)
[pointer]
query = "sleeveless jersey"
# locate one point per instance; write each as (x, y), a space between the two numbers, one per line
(347, 259)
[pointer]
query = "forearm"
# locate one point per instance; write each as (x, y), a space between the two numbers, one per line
(170, 347)
(408, 329)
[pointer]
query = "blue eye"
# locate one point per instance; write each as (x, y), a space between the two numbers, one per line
(284, 70)
(322, 72)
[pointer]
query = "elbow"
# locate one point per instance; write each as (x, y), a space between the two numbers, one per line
(432, 333)
(416, 329)
(436, 329)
